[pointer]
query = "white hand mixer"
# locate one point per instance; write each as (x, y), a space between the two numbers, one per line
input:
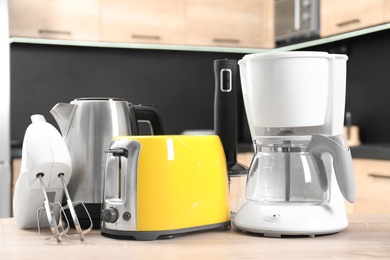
(45, 171)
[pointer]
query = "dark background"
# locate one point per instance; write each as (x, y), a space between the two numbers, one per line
(180, 84)
(368, 84)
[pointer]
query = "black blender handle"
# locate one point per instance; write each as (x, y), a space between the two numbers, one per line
(150, 114)
(225, 105)
(225, 112)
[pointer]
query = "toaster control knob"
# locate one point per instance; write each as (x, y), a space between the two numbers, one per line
(110, 215)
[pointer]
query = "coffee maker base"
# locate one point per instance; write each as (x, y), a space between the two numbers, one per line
(298, 219)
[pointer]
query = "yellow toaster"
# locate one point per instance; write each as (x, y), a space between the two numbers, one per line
(164, 185)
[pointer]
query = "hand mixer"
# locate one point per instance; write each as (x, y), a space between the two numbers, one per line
(45, 171)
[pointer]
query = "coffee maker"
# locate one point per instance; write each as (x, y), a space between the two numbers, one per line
(302, 167)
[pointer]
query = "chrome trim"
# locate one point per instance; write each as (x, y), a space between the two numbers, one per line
(281, 149)
(127, 154)
(229, 71)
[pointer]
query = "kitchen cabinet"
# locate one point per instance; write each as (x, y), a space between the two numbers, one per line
(387, 11)
(232, 23)
(60, 19)
(372, 186)
(343, 16)
(147, 21)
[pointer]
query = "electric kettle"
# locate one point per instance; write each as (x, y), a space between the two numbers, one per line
(166, 185)
(88, 126)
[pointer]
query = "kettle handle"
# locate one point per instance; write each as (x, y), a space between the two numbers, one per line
(342, 161)
(150, 114)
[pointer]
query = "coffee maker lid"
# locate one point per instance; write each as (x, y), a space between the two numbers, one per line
(292, 54)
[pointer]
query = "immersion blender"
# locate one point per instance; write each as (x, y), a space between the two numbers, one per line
(225, 112)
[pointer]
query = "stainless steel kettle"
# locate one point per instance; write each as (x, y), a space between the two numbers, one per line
(88, 126)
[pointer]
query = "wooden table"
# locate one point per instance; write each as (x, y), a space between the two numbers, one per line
(368, 236)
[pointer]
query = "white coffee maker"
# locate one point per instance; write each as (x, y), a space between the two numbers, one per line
(302, 167)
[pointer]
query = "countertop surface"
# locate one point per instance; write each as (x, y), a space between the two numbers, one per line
(368, 236)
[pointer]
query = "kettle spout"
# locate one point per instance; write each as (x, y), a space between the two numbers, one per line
(63, 114)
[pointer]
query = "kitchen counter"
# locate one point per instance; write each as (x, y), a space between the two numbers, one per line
(368, 236)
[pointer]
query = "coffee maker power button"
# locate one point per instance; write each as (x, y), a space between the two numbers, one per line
(272, 216)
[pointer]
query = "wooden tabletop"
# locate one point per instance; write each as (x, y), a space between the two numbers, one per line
(368, 236)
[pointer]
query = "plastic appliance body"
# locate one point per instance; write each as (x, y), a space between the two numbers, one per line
(296, 219)
(44, 151)
(289, 95)
(304, 91)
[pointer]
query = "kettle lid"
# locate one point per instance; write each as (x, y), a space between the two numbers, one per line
(98, 99)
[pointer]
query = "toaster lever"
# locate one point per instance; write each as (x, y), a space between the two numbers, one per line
(118, 152)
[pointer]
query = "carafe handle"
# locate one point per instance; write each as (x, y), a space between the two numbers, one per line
(337, 147)
(321, 171)
(149, 114)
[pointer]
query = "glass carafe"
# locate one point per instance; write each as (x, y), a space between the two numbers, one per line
(282, 171)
